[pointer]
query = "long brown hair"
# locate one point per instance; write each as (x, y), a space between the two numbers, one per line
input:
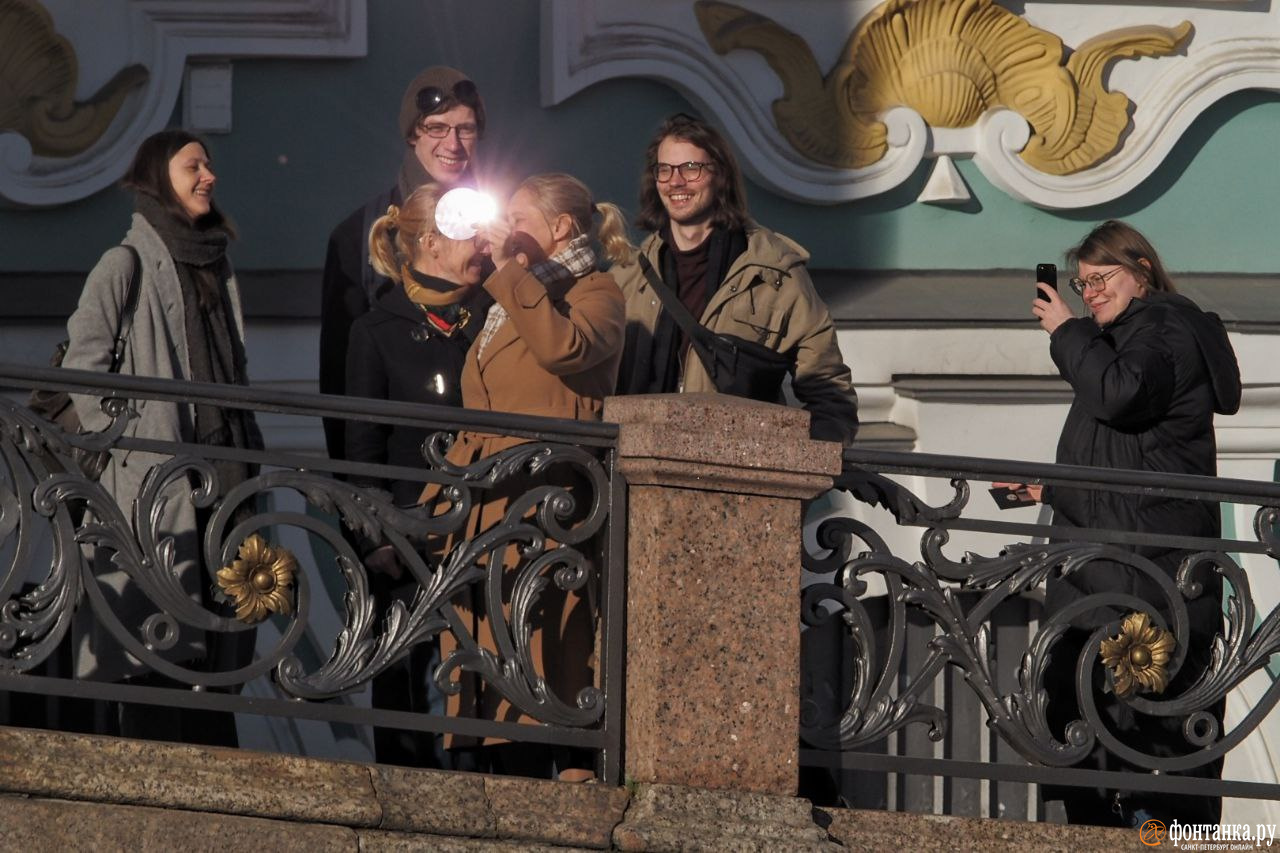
(729, 210)
(1120, 244)
(149, 174)
(555, 193)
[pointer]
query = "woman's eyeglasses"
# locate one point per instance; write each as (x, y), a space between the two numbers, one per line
(690, 171)
(1095, 282)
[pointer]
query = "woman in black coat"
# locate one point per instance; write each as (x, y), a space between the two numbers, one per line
(1149, 369)
(410, 347)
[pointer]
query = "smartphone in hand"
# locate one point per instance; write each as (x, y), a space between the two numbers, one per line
(1046, 274)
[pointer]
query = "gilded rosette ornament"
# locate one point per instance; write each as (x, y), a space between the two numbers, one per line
(1138, 658)
(259, 581)
(950, 61)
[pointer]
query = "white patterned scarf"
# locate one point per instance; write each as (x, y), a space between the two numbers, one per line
(573, 261)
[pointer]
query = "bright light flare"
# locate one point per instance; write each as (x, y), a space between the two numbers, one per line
(462, 210)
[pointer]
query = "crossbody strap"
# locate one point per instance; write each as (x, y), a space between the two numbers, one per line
(698, 333)
(124, 325)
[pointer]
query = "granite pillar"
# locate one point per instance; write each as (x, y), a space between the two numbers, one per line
(715, 487)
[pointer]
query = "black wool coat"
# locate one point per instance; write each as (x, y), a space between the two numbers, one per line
(1146, 390)
(347, 289)
(394, 353)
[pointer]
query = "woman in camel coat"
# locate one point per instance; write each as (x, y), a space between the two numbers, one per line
(551, 347)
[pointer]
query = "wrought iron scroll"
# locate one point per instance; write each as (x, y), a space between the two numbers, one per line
(959, 596)
(44, 497)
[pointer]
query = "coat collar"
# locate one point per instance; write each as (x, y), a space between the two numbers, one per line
(503, 338)
(769, 258)
(396, 302)
(158, 267)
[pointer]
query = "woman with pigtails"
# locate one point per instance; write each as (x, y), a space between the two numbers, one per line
(410, 348)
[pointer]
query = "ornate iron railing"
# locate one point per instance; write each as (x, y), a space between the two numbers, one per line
(551, 534)
(923, 661)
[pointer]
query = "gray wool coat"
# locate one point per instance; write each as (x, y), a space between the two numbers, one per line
(157, 347)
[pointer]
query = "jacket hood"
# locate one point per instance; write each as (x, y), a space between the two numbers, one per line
(1215, 347)
(769, 248)
(764, 248)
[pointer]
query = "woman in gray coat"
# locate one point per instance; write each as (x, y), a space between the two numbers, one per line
(187, 326)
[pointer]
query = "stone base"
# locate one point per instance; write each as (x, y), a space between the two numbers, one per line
(859, 829)
(671, 818)
(114, 783)
(78, 792)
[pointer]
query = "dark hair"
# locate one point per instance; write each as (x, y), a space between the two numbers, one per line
(1119, 243)
(149, 174)
(729, 209)
(432, 100)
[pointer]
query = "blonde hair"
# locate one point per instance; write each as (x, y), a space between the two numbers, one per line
(555, 193)
(394, 237)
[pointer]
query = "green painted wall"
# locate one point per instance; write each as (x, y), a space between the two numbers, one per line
(314, 138)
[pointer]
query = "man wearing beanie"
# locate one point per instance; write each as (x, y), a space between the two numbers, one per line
(441, 120)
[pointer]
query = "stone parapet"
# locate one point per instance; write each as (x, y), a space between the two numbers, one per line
(203, 782)
(719, 443)
(204, 779)
(714, 492)
(76, 792)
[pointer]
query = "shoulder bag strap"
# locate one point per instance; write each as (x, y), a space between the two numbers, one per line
(125, 324)
(698, 334)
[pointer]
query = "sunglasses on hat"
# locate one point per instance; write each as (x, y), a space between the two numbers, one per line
(431, 97)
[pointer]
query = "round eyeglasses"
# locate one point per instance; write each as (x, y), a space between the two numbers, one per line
(1095, 282)
(690, 171)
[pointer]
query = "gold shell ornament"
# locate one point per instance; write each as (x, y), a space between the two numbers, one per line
(258, 582)
(1138, 658)
(38, 74)
(950, 61)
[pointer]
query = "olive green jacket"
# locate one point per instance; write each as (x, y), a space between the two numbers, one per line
(766, 297)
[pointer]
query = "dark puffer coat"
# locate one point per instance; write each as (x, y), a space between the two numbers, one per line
(1146, 390)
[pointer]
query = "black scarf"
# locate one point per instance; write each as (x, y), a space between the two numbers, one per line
(215, 352)
(667, 356)
(199, 251)
(437, 295)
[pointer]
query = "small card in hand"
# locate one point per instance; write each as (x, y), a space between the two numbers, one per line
(1008, 498)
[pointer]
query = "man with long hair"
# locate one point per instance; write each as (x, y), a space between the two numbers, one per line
(731, 274)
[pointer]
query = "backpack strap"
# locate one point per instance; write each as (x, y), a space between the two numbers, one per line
(124, 324)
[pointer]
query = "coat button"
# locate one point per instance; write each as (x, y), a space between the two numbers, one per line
(418, 334)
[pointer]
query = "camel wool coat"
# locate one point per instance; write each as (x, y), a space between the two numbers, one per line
(555, 355)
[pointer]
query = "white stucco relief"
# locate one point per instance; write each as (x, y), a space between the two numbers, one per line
(163, 36)
(1231, 46)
